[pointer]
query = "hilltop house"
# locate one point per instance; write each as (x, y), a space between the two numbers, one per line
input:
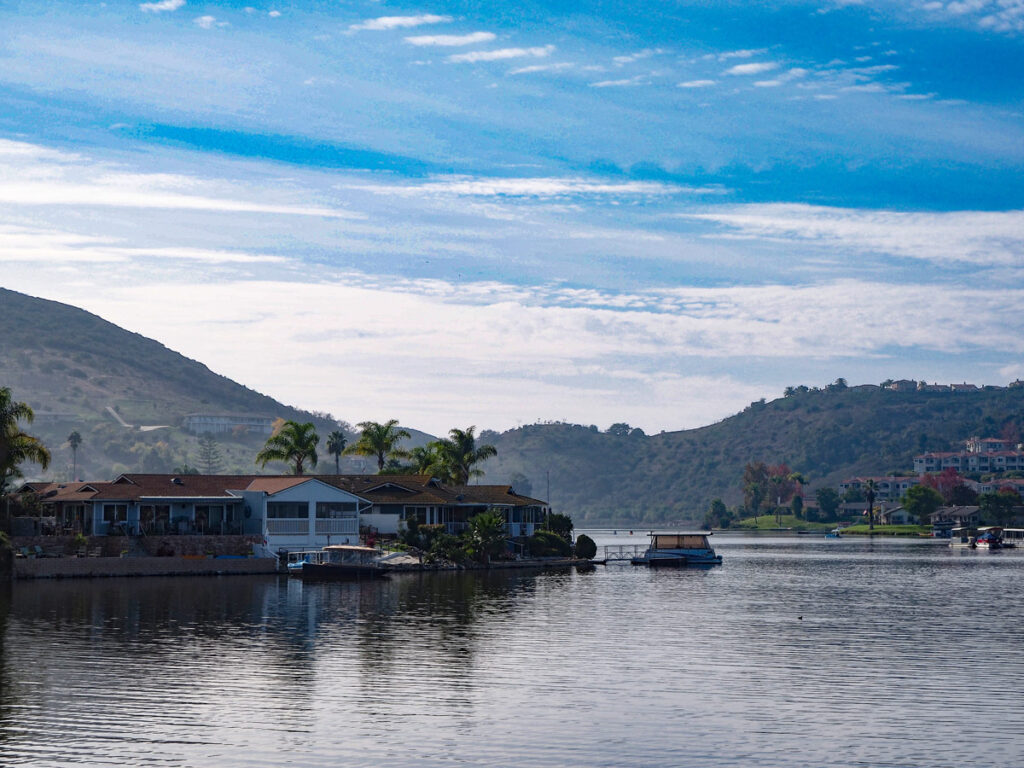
(289, 512)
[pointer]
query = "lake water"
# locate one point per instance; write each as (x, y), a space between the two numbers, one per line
(797, 651)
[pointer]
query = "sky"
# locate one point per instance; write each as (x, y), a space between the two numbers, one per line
(486, 213)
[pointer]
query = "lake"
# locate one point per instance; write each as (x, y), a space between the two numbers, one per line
(797, 651)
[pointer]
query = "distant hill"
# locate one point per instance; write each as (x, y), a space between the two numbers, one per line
(673, 476)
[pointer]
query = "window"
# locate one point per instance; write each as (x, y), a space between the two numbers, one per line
(115, 513)
(334, 510)
(287, 509)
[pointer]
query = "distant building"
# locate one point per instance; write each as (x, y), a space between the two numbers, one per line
(886, 488)
(969, 461)
(903, 385)
(218, 424)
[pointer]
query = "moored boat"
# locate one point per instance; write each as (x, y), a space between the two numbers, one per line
(345, 562)
(678, 549)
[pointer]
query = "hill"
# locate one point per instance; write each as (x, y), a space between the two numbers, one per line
(828, 435)
(80, 372)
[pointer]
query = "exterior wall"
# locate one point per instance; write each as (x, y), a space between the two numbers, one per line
(386, 522)
(219, 424)
(310, 533)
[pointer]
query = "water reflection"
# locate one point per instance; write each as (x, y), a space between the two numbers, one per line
(792, 653)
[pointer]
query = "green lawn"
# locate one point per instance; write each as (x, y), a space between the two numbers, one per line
(887, 530)
(768, 522)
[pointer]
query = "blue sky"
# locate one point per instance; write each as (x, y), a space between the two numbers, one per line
(493, 213)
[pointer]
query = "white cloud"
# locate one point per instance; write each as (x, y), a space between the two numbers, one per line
(741, 54)
(541, 68)
(646, 53)
(975, 237)
(274, 14)
(535, 187)
(451, 40)
(209, 22)
(624, 83)
(160, 7)
(697, 84)
(502, 54)
(752, 69)
(400, 22)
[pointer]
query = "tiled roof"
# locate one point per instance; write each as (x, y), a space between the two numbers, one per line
(272, 485)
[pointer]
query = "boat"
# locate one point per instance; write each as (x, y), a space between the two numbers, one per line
(344, 562)
(1013, 537)
(678, 549)
(988, 537)
(834, 534)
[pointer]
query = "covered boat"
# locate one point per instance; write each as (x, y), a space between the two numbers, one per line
(345, 562)
(679, 549)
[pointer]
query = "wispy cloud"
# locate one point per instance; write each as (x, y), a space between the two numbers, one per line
(537, 187)
(160, 7)
(451, 40)
(502, 54)
(623, 83)
(399, 22)
(974, 237)
(752, 69)
(646, 53)
(697, 84)
(542, 68)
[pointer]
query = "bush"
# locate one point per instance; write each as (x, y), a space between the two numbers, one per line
(446, 548)
(585, 547)
(561, 525)
(548, 544)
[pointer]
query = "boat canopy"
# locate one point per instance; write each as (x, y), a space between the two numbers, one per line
(679, 540)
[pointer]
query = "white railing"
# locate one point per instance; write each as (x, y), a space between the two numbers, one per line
(337, 526)
(288, 526)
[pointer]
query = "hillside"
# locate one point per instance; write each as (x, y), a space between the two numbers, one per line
(673, 476)
(72, 366)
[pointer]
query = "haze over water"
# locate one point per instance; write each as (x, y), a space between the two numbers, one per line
(904, 656)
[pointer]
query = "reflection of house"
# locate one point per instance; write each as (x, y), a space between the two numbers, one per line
(289, 512)
(220, 423)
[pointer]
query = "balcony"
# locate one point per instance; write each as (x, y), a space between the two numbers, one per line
(294, 526)
(337, 527)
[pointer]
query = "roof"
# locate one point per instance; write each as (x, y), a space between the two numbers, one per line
(413, 490)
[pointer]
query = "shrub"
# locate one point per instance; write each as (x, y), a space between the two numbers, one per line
(585, 547)
(548, 544)
(560, 525)
(448, 548)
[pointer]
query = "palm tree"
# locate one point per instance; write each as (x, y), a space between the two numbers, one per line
(460, 454)
(486, 534)
(381, 441)
(74, 440)
(17, 447)
(292, 443)
(426, 459)
(335, 446)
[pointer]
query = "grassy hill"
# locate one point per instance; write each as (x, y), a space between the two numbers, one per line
(672, 477)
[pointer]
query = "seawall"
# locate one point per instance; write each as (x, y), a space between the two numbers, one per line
(92, 567)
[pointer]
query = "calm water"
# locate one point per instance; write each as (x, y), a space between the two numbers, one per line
(907, 654)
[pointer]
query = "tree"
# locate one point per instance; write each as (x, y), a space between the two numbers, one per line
(948, 483)
(797, 505)
(828, 502)
(209, 455)
(921, 501)
(17, 447)
(756, 486)
(460, 454)
(380, 441)
(336, 442)
(717, 515)
(74, 440)
(560, 525)
(998, 506)
(294, 444)
(619, 429)
(486, 535)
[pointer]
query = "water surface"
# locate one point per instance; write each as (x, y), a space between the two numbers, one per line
(796, 652)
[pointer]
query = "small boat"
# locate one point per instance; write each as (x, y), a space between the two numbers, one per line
(344, 562)
(678, 549)
(835, 533)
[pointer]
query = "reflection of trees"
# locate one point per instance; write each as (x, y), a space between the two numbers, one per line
(7, 694)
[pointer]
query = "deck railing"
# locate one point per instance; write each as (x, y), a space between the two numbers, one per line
(623, 551)
(338, 526)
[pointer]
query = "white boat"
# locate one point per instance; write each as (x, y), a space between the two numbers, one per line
(988, 537)
(1013, 537)
(678, 549)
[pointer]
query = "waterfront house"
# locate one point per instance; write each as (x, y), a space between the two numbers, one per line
(287, 511)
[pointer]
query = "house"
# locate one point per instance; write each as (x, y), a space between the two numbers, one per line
(957, 516)
(221, 423)
(896, 516)
(886, 488)
(287, 512)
